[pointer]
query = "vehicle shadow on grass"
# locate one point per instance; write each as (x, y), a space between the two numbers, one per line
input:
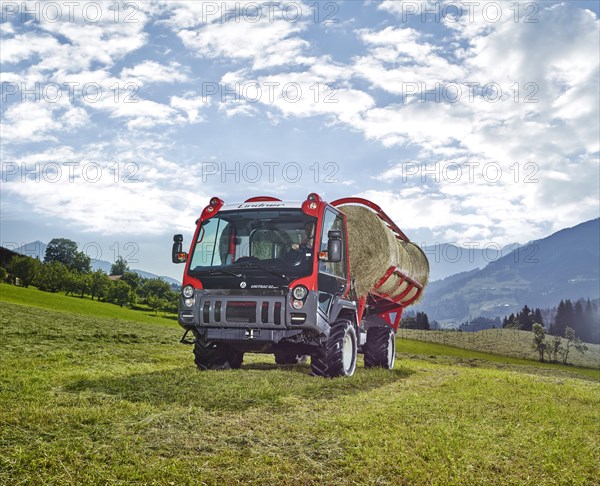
(255, 385)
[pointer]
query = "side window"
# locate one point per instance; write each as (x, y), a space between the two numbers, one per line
(333, 222)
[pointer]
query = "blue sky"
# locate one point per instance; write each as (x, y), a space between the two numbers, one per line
(467, 122)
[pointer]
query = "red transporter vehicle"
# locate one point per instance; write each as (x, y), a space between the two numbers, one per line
(267, 276)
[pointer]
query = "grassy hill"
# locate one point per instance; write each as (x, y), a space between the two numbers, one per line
(505, 342)
(90, 399)
(58, 301)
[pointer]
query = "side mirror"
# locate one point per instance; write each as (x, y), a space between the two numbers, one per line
(177, 255)
(334, 246)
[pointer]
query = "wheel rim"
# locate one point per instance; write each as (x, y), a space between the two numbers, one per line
(391, 350)
(347, 352)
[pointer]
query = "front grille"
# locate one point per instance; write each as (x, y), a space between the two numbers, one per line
(241, 312)
(223, 310)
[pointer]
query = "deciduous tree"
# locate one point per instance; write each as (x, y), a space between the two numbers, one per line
(539, 340)
(25, 269)
(119, 267)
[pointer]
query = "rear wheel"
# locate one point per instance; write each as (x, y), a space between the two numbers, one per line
(287, 358)
(337, 357)
(216, 356)
(380, 348)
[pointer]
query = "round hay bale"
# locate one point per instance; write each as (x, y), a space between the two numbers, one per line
(370, 246)
(419, 264)
(374, 248)
(392, 285)
(413, 263)
(420, 268)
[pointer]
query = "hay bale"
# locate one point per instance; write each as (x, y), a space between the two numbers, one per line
(370, 246)
(402, 261)
(420, 267)
(373, 248)
(419, 261)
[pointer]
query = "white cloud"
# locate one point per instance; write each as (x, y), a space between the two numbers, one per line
(265, 44)
(103, 42)
(29, 122)
(154, 72)
(425, 124)
(300, 94)
(400, 61)
(191, 104)
(144, 114)
(264, 33)
(83, 92)
(22, 47)
(6, 29)
(87, 196)
(75, 117)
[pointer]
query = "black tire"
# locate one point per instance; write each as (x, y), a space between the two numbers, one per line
(283, 358)
(235, 358)
(215, 356)
(337, 357)
(380, 348)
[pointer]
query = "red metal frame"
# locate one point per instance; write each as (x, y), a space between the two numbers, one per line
(262, 199)
(384, 217)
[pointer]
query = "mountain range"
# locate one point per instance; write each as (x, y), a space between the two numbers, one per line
(37, 249)
(447, 259)
(564, 265)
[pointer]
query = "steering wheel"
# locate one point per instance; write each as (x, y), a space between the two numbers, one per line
(293, 257)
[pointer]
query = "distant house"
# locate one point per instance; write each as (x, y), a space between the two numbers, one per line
(115, 277)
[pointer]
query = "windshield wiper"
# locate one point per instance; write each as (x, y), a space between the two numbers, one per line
(256, 265)
(212, 271)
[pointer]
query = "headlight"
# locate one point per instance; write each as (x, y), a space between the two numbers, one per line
(300, 292)
(188, 302)
(188, 291)
(297, 304)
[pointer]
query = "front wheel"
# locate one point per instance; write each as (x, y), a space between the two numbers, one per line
(216, 356)
(337, 357)
(380, 348)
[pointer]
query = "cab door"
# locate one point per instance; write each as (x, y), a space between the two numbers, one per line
(332, 275)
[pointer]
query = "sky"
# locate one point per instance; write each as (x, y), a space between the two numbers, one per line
(473, 123)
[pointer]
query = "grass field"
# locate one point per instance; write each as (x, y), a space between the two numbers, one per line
(88, 399)
(59, 301)
(506, 342)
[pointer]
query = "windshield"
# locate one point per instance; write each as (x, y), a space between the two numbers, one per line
(262, 241)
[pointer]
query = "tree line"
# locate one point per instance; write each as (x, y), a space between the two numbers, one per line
(570, 325)
(420, 321)
(68, 270)
(581, 316)
(557, 348)
(524, 319)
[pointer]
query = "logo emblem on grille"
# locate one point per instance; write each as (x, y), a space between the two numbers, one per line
(242, 285)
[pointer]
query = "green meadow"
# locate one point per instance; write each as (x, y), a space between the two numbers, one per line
(93, 393)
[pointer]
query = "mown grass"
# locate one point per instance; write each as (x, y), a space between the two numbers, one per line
(59, 301)
(430, 350)
(506, 342)
(88, 399)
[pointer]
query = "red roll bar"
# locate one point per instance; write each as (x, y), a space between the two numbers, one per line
(378, 211)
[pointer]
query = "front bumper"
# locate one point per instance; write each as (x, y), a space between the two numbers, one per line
(225, 316)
